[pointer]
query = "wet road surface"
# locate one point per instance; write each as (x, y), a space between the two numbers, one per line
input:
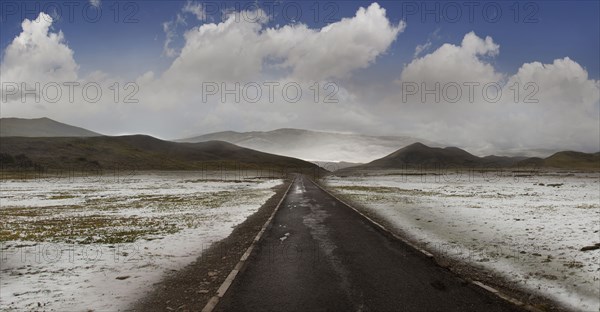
(320, 255)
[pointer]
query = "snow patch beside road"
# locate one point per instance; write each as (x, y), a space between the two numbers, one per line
(176, 217)
(528, 229)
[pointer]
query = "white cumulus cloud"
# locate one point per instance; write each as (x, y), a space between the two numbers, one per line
(38, 55)
(542, 106)
(239, 48)
(452, 63)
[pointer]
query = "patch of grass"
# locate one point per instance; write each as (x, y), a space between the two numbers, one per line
(6, 213)
(61, 196)
(384, 190)
(574, 264)
(116, 219)
(161, 198)
(366, 198)
(370, 189)
(84, 229)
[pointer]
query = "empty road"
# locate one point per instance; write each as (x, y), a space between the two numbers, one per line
(320, 255)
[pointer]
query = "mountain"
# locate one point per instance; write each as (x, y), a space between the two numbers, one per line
(418, 155)
(40, 127)
(333, 166)
(139, 152)
(502, 161)
(566, 160)
(313, 145)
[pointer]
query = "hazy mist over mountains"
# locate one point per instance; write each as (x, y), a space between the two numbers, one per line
(315, 145)
(298, 143)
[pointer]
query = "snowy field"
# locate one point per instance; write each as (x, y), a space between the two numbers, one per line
(529, 229)
(80, 244)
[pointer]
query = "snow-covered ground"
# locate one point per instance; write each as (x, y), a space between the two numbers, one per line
(529, 229)
(79, 244)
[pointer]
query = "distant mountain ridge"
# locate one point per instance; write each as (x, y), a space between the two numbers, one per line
(567, 160)
(311, 145)
(419, 155)
(40, 127)
(333, 151)
(139, 152)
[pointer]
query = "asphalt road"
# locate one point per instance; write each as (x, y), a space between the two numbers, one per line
(320, 255)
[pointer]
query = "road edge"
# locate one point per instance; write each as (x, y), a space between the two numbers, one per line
(212, 303)
(429, 255)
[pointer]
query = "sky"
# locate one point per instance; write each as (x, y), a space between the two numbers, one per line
(488, 76)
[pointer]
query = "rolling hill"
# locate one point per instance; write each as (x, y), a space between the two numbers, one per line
(418, 155)
(139, 152)
(40, 127)
(422, 155)
(565, 160)
(313, 145)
